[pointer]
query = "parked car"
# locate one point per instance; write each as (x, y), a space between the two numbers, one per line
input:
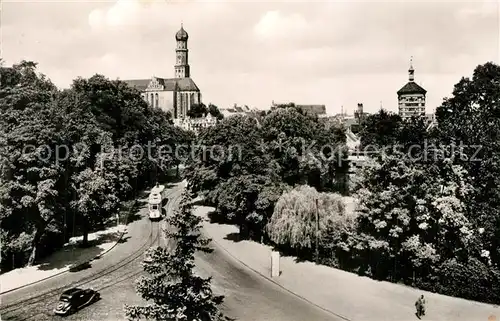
(74, 299)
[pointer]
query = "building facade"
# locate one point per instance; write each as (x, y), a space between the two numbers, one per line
(411, 98)
(196, 124)
(240, 110)
(174, 95)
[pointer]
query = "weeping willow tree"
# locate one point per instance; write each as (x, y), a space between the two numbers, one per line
(293, 223)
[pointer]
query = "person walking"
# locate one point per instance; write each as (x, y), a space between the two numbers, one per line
(420, 305)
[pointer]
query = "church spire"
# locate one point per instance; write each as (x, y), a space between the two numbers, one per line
(182, 62)
(411, 71)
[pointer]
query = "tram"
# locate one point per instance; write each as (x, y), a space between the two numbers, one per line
(157, 198)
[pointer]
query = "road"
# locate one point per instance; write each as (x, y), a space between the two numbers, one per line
(112, 275)
(248, 296)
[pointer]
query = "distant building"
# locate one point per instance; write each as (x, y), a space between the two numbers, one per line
(318, 110)
(196, 124)
(360, 115)
(238, 110)
(352, 122)
(242, 110)
(174, 95)
(411, 97)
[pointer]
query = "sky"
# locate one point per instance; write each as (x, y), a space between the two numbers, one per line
(336, 53)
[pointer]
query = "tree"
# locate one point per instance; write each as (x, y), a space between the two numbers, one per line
(96, 199)
(230, 148)
(293, 223)
(412, 214)
(215, 112)
(261, 162)
(470, 121)
(381, 129)
(413, 132)
(198, 110)
(305, 151)
(175, 292)
(30, 173)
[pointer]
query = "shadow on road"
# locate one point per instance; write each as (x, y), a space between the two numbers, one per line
(216, 218)
(235, 237)
(80, 267)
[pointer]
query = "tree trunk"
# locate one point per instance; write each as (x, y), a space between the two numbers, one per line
(85, 241)
(34, 246)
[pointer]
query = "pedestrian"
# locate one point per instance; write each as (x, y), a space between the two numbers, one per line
(420, 305)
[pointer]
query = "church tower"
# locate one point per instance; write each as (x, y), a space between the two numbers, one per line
(181, 53)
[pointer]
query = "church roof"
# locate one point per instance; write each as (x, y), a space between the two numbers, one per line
(313, 109)
(139, 84)
(411, 88)
(169, 84)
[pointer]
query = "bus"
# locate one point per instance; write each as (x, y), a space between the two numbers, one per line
(157, 198)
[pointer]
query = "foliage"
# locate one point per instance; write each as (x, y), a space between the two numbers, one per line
(472, 279)
(174, 290)
(294, 225)
(470, 120)
(262, 160)
(215, 112)
(198, 110)
(380, 129)
(428, 207)
(66, 157)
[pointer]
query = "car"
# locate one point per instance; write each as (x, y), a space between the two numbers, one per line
(73, 299)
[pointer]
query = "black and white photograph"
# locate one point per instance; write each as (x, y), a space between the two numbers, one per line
(250, 160)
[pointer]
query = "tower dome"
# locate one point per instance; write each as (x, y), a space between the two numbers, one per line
(181, 35)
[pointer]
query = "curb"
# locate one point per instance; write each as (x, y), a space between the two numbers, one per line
(276, 283)
(67, 269)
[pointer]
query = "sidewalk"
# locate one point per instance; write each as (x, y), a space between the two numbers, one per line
(63, 259)
(347, 294)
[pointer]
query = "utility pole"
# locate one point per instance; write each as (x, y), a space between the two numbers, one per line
(317, 233)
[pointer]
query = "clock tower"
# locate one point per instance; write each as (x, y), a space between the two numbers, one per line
(181, 54)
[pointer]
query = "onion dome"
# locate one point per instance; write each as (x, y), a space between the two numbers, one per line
(181, 35)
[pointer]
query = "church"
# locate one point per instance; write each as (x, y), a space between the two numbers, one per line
(174, 95)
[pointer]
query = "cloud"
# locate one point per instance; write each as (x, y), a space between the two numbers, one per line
(122, 13)
(275, 24)
(335, 52)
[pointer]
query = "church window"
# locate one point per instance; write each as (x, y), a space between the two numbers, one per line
(156, 100)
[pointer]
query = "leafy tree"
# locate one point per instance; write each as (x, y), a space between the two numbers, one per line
(198, 110)
(412, 214)
(65, 157)
(215, 112)
(470, 121)
(293, 223)
(175, 292)
(380, 129)
(96, 199)
(118, 108)
(227, 149)
(303, 148)
(30, 173)
(413, 135)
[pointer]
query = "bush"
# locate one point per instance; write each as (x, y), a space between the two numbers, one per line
(472, 280)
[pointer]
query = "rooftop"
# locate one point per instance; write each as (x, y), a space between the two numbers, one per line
(411, 88)
(169, 84)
